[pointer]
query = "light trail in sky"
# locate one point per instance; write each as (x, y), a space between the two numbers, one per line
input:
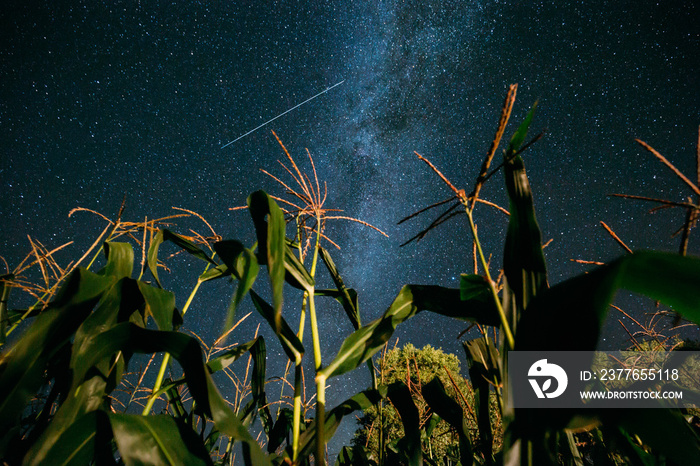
(282, 114)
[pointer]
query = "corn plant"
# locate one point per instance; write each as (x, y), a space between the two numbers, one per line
(568, 316)
(76, 352)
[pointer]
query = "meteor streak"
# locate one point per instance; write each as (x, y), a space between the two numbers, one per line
(282, 114)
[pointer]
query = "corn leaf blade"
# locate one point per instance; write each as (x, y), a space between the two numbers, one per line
(365, 342)
(483, 361)
(523, 259)
(180, 241)
(357, 402)
(156, 440)
(4, 298)
(259, 400)
(243, 264)
(410, 443)
(223, 360)
(214, 273)
(269, 223)
(296, 275)
(675, 440)
(120, 260)
(289, 340)
(159, 304)
(448, 409)
(669, 278)
(81, 442)
(280, 430)
(22, 366)
(185, 349)
(518, 138)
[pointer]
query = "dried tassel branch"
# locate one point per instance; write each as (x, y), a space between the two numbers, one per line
(663, 160)
(502, 123)
(458, 192)
(615, 237)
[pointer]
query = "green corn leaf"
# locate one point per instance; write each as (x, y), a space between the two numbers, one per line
(281, 429)
(214, 273)
(229, 251)
(259, 401)
(186, 350)
(118, 304)
(354, 456)
(4, 298)
(225, 359)
(89, 397)
(432, 423)
(15, 315)
(570, 315)
(520, 134)
(156, 440)
(169, 385)
(483, 360)
(410, 443)
(474, 288)
(85, 439)
(665, 431)
(23, 364)
(120, 260)
(159, 304)
(258, 384)
(290, 342)
(523, 259)
(244, 265)
(175, 404)
(358, 402)
(296, 275)
(451, 411)
(346, 296)
(363, 343)
(270, 229)
(183, 243)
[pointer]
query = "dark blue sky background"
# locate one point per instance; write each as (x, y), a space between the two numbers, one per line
(103, 99)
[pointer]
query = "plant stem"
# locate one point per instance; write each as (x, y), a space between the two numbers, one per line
(320, 380)
(99, 250)
(166, 357)
(298, 376)
(26, 314)
(504, 321)
(296, 417)
(320, 420)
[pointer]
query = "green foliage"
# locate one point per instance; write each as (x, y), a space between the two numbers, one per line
(368, 340)
(419, 369)
(270, 228)
(89, 333)
(569, 316)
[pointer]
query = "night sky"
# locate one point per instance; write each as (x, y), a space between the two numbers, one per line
(104, 99)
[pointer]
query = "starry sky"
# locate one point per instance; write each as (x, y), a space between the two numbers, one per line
(104, 99)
